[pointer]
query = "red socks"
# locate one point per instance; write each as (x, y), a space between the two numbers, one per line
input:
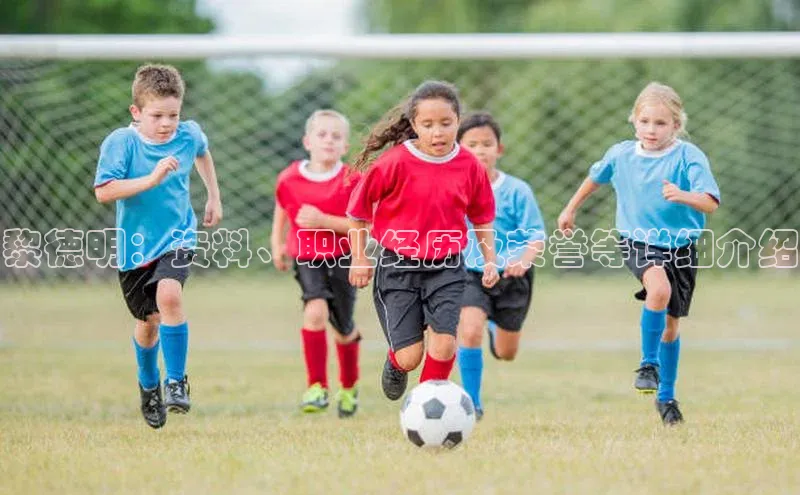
(315, 348)
(433, 369)
(348, 362)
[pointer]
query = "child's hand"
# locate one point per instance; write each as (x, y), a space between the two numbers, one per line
(310, 217)
(671, 192)
(279, 257)
(490, 275)
(516, 269)
(360, 272)
(163, 167)
(213, 213)
(566, 221)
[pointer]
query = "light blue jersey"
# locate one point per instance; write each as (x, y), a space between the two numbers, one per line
(637, 176)
(517, 222)
(149, 219)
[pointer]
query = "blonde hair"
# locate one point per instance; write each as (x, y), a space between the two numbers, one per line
(655, 92)
(156, 81)
(327, 113)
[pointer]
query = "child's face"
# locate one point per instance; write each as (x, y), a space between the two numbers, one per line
(655, 126)
(326, 141)
(158, 118)
(436, 125)
(482, 142)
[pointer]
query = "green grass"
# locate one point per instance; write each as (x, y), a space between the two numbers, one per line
(563, 418)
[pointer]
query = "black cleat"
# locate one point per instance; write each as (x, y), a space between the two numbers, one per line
(647, 379)
(153, 410)
(478, 413)
(669, 412)
(177, 400)
(393, 381)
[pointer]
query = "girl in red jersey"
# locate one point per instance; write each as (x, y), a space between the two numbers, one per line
(417, 195)
(311, 197)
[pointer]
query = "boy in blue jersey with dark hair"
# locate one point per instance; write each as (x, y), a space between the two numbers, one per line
(664, 190)
(519, 238)
(145, 168)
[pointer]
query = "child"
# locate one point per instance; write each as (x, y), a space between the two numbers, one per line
(416, 196)
(520, 234)
(145, 168)
(664, 187)
(311, 197)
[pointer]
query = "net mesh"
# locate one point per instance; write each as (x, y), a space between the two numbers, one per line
(558, 117)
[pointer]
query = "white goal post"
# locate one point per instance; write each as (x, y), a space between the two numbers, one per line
(455, 46)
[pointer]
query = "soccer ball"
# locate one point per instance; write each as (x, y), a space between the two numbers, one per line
(437, 413)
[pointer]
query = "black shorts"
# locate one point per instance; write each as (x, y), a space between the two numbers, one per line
(323, 281)
(680, 265)
(139, 285)
(506, 303)
(409, 297)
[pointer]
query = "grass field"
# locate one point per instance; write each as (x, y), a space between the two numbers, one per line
(563, 418)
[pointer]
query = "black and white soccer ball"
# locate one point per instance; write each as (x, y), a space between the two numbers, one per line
(437, 413)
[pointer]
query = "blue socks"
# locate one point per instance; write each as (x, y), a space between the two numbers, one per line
(175, 344)
(653, 325)
(470, 364)
(147, 360)
(668, 355)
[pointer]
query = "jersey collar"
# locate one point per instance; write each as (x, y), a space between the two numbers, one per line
(430, 158)
(656, 154)
(319, 176)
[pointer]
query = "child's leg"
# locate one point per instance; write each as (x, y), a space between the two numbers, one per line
(315, 343)
(668, 355)
(174, 329)
(341, 307)
(470, 354)
(440, 357)
(145, 343)
(654, 312)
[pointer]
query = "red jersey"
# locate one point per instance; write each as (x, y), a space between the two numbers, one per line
(418, 204)
(327, 191)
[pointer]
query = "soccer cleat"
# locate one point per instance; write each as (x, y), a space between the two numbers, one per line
(669, 412)
(347, 402)
(177, 392)
(492, 328)
(315, 399)
(646, 379)
(393, 381)
(478, 413)
(153, 410)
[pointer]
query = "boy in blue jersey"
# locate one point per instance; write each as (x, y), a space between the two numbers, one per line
(145, 168)
(664, 189)
(519, 238)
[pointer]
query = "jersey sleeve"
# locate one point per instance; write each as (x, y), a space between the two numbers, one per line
(602, 171)
(371, 188)
(114, 159)
(698, 170)
(200, 138)
(530, 216)
(481, 207)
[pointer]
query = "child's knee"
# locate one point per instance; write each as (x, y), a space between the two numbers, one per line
(409, 357)
(315, 314)
(169, 297)
(470, 334)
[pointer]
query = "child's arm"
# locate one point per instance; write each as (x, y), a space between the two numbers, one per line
(205, 167)
(279, 223)
(566, 220)
(700, 201)
(360, 266)
(485, 235)
(125, 188)
(310, 217)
